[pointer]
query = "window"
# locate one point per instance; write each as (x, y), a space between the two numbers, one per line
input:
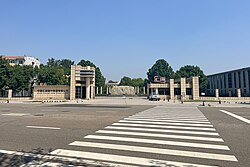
(177, 91)
(229, 80)
(244, 79)
(164, 91)
(189, 91)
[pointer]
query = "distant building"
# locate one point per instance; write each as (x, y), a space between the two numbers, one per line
(186, 88)
(235, 83)
(22, 60)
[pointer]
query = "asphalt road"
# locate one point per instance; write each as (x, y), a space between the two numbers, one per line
(175, 136)
(74, 121)
(235, 132)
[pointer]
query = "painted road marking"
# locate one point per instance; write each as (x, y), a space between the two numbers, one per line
(236, 116)
(174, 117)
(120, 158)
(163, 142)
(177, 119)
(43, 127)
(15, 114)
(156, 150)
(160, 135)
(160, 120)
(163, 130)
(166, 123)
(167, 127)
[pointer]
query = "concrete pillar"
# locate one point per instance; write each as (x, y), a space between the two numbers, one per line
(10, 93)
(195, 88)
(148, 89)
(171, 85)
(107, 90)
(110, 89)
(73, 83)
(88, 88)
(238, 93)
(156, 90)
(97, 90)
(217, 93)
(144, 90)
(183, 87)
(138, 90)
(101, 90)
(92, 92)
(247, 82)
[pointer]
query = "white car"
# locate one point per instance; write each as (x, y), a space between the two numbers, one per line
(154, 96)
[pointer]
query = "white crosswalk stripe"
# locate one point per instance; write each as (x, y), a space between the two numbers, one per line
(166, 127)
(160, 135)
(163, 130)
(162, 142)
(160, 120)
(165, 123)
(156, 131)
(122, 159)
(156, 150)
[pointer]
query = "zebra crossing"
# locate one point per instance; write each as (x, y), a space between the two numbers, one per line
(160, 136)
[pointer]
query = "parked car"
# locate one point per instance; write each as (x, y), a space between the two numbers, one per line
(154, 96)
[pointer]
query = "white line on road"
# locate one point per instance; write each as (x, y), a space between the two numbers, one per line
(172, 116)
(156, 150)
(163, 142)
(160, 120)
(43, 127)
(236, 116)
(15, 114)
(160, 135)
(177, 119)
(121, 159)
(166, 127)
(163, 130)
(166, 123)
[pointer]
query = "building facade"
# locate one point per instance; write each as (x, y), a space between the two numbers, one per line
(51, 92)
(22, 60)
(82, 82)
(186, 88)
(235, 83)
(82, 86)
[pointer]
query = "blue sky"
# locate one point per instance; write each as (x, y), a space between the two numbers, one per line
(126, 37)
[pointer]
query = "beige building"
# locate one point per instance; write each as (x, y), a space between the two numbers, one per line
(82, 86)
(82, 82)
(186, 88)
(51, 92)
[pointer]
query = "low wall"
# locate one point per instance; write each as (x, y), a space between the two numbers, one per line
(224, 98)
(17, 98)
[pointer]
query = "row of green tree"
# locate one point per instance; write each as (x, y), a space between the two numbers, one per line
(161, 68)
(54, 72)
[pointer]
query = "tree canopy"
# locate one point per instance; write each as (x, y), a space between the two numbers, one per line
(135, 82)
(99, 78)
(161, 68)
(191, 71)
(18, 78)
